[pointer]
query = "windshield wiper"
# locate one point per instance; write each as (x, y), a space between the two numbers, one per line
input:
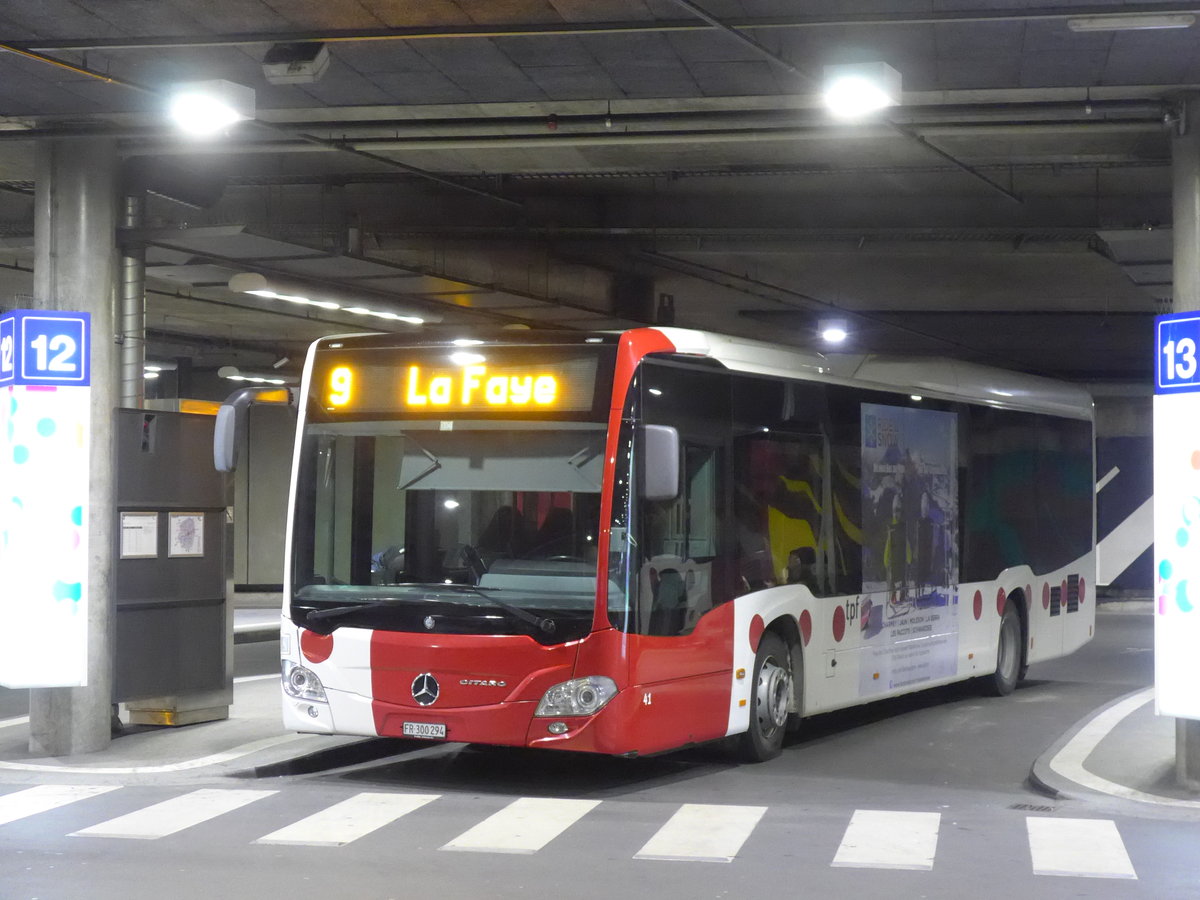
(547, 626)
(340, 612)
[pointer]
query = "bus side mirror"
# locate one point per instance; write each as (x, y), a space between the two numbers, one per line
(660, 475)
(231, 421)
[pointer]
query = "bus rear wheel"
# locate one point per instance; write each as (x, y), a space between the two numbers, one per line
(1004, 680)
(769, 700)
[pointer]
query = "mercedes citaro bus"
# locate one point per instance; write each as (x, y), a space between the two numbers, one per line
(627, 543)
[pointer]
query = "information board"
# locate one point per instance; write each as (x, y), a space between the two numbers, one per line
(45, 444)
(1177, 515)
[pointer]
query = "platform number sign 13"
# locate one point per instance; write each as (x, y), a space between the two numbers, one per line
(1177, 342)
(46, 347)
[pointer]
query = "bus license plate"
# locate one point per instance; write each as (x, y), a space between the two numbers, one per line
(430, 731)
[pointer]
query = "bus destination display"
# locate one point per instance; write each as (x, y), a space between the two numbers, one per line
(416, 386)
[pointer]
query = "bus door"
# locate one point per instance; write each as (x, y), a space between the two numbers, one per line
(680, 623)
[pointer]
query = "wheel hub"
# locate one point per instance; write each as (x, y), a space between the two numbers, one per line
(774, 693)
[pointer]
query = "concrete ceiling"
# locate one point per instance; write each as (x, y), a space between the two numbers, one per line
(568, 162)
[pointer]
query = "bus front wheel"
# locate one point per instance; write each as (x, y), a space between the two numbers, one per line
(769, 699)
(1004, 680)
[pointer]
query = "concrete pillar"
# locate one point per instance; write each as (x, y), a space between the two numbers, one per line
(75, 222)
(1185, 202)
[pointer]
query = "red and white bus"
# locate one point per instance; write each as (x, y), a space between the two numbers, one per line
(630, 543)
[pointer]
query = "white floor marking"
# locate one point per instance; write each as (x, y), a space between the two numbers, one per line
(45, 797)
(877, 839)
(173, 815)
(1068, 762)
(349, 820)
(212, 760)
(703, 833)
(524, 826)
(1086, 847)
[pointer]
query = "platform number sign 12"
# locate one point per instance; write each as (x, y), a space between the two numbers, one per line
(46, 347)
(1177, 341)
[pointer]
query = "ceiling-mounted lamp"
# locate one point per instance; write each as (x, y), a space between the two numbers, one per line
(208, 108)
(233, 373)
(854, 90)
(289, 291)
(833, 331)
(1132, 22)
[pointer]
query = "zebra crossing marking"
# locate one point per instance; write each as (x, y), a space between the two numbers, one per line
(524, 826)
(174, 815)
(45, 797)
(703, 833)
(348, 820)
(878, 839)
(1089, 848)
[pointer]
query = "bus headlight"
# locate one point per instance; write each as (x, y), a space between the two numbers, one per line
(577, 697)
(302, 683)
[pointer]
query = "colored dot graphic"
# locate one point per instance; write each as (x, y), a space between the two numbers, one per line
(46, 427)
(68, 590)
(20, 454)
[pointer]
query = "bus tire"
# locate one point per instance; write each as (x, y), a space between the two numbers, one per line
(771, 692)
(1004, 680)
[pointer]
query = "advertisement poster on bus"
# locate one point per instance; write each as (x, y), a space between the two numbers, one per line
(908, 619)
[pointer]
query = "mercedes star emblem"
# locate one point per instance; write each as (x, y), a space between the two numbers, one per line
(425, 689)
(429, 623)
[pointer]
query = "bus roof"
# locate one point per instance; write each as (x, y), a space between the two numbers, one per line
(949, 379)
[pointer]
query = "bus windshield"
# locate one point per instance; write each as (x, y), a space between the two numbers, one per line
(448, 526)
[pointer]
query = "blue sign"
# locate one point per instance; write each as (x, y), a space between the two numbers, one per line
(1177, 351)
(45, 347)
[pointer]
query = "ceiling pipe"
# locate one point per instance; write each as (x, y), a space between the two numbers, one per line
(1052, 112)
(585, 29)
(643, 139)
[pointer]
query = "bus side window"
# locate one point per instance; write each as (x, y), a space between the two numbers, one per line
(781, 511)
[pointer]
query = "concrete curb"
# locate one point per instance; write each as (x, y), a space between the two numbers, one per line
(1047, 780)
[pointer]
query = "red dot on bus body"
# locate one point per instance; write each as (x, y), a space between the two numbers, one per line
(839, 623)
(316, 647)
(757, 627)
(1082, 591)
(805, 626)
(1000, 598)
(978, 605)
(1046, 595)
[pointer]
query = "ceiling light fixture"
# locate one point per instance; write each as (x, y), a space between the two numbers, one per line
(1133, 22)
(270, 288)
(855, 90)
(208, 108)
(833, 331)
(233, 373)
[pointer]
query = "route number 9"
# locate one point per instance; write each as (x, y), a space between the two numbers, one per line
(1181, 359)
(7, 353)
(341, 383)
